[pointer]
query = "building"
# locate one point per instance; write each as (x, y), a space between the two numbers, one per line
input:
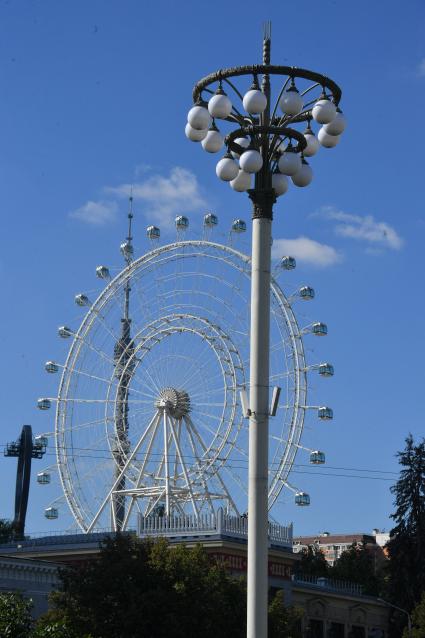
(34, 578)
(332, 609)
(333, 545)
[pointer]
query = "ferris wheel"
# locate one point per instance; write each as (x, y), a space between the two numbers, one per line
(149, 415)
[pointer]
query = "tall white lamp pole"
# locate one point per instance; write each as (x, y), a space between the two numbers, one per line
(268, 145)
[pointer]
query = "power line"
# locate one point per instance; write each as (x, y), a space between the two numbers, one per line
(190, 457)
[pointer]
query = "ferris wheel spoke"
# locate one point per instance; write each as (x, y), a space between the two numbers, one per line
(210, 416)
(281, 375)
(213, 377)
(96, 350)
(110, 332)
(209, 404)
(141, 384)
(218, 435)
(94, 377)
(157, 388)
(211, 393)
(237, 479)
(88, 424)
(197, 373)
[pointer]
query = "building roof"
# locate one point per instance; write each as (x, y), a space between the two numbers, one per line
(330, 539)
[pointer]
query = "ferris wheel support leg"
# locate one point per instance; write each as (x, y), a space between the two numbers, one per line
(258, 423)
(109, 496)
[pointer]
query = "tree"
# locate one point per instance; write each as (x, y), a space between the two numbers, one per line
(406, 548)
(7, 532)
(145, 588)
(313, 562)
(418, 621)
(284, 622)
(51, 626)
(15, 616)
(357, 565)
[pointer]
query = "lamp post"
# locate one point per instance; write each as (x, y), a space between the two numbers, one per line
(265, 142)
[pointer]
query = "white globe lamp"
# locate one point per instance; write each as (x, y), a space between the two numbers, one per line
(337, 126)
(194, 134)
(242, 182)
(227, 169)
(240, 141)
(213, 141)
(251, 161)
(280, 183)
(304, 176)
(291, 101)
(324, 111)
(219, 105)
(313, 144)
(326, 140)
(198, 117)
(254, 101)
(289, 163)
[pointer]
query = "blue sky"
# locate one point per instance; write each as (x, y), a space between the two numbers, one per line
(94, 96)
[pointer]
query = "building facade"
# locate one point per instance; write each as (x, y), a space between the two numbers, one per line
(34, 578)
(331, 609)
(333, 545)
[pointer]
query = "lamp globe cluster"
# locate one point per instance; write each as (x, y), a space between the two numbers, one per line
(284, 156)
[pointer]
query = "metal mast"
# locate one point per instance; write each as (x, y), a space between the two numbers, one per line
(123, 352)
(25, 449)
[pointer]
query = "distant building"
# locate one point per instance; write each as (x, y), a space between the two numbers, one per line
(333, 545)
(332, 608)
(34, 578)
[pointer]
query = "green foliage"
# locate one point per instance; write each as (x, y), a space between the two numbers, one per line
(313, 562)
(51, 625)
(284, 622)
(418, 621)
(145, 588)
(406, 548)
(15, 616)
(357, 565)
(7, 532)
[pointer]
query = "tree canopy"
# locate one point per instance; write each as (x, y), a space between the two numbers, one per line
(7, 531)
(15, 616)
(284, 622)
(147, 588)
(418, 621)
(357, 565)
(406, 548)
(313, 562)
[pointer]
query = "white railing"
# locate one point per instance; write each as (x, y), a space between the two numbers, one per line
(329, 583)
(208, 525)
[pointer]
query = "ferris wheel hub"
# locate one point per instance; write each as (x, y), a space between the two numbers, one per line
(176, 403)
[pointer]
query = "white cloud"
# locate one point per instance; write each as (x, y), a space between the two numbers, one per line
(164, 197)
(363, 228)
(421, 68)
(306, 250)
(96, 213)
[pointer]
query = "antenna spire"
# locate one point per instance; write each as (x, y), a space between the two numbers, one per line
(130, 215)
(123, 353)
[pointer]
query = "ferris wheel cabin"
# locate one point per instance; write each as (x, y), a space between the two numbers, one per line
(288, 263)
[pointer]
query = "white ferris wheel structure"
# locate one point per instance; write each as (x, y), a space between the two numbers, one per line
(149, 411)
